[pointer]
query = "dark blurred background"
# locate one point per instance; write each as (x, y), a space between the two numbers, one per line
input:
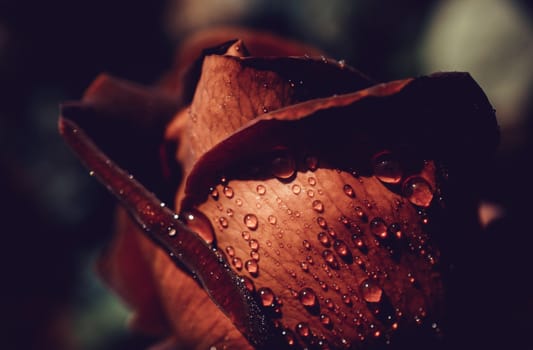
(55, 218)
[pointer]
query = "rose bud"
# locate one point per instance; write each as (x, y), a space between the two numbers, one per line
(317, 209)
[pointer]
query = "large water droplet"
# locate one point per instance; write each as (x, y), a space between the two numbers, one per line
(283, 167)
(378, 227)
(323, 238)
(360, 214)
(231, 251)
(318, 206)
(199, 223)
(387, 168)
(371, 291)
(308, 297)
(237, 262)
(349, 191)
(248, 283)
(254, 254)
(418, 191)
(341, 248)
(296, 189)
(228, 192)
(325, 320)
(261, 189)
(250, 220)
(213, 192)
(303, 329)
(252, 267)
(321, 222)
(254, 244)
(223, 222)
(330, 259)
(267, 296)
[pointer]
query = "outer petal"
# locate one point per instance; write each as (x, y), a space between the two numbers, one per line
(275, 238)
(165, 299)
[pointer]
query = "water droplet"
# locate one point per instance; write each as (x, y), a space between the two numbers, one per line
(254, 244)
(360, 213)
(223, 222)
(318, 206)
(228, 192)
(395, 229)
(378, 227)
(229, 211)
(296, 189)
(252, 267)
(325, 320)
(330, 259)
(289, 337)
(198, 222)
(306, 244)
(245, 235)
(307, 297)
(304, 266)
(418, 191)
(312, 163)
(172, 232)
(341, 248)
(237, 262)
(267, 296)
(254, 254)
(303, 330)
(324, 239)
(321, 222)
(312, 181)
(231, 251)
(260, 189)
(310, 193)
(349, 191)
(272, 219)
(358, 242)
(248, 283)
(213, 192)
(371, 291)
(238, 201)
(250, 220)
(387, 168)
(346, 299)
(283, 167)
(265, 110)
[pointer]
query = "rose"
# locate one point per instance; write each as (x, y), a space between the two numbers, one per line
(338, 201)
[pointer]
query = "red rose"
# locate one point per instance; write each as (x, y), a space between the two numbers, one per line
(317, 208)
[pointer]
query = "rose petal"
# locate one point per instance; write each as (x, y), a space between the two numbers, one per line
(234, 90)
(432, 116)
(185, 247)
(309, 257)
(113, 108)
(184, 76)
